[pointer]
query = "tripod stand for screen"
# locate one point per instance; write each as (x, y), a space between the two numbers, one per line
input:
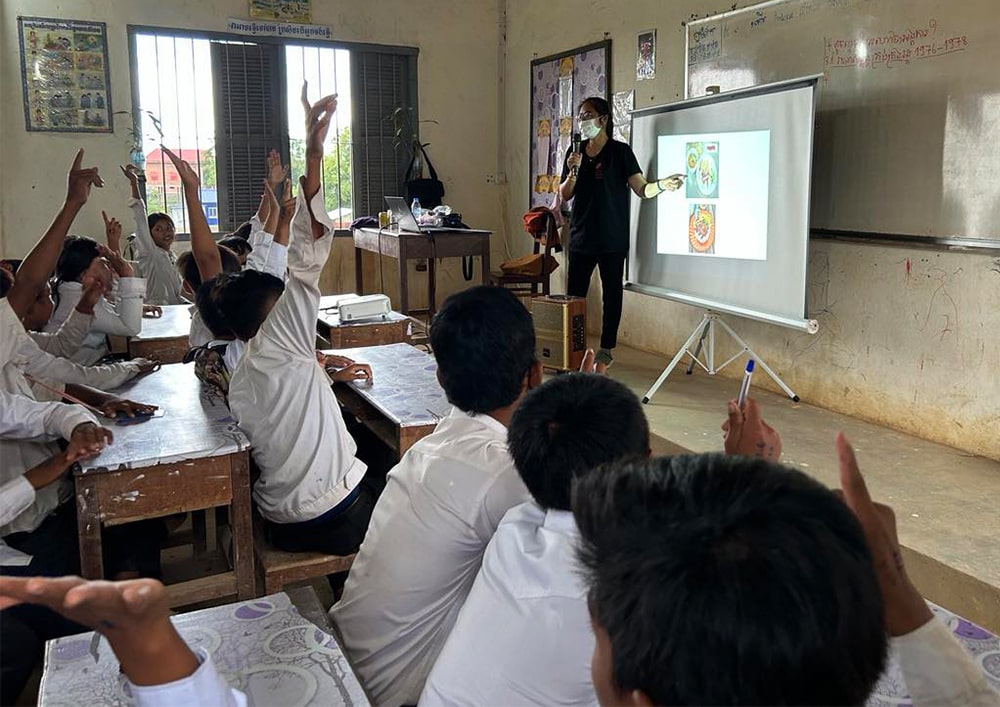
(704, 333)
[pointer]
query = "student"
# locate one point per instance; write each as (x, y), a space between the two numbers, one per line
(442, 502)
(53, 551)
(523, 635)
(84, 258)
(311, 490)
(69, 338)
(675, 550)
(154, 236)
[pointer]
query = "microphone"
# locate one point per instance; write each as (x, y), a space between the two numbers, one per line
(576, 148)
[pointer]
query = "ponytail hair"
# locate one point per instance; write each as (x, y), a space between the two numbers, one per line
(78, 252)
(600, 107)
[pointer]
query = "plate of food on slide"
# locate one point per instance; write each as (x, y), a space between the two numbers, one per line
(701, 228)
(702, 170)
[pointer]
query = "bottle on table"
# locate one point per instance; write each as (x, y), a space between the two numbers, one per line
(415, 208)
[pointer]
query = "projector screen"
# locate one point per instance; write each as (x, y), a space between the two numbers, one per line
(734, 238)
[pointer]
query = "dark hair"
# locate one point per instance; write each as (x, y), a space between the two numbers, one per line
(238, 245)
(157, 216)
(9, 267)
(236, 304)
(187, 266)
(484, 343)
(601, 107)
(729, 580)
(77, 253)
(569, 426)
(242, 231)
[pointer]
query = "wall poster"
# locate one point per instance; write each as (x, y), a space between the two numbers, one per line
(64, 75)
(559, 83)
(284, 10)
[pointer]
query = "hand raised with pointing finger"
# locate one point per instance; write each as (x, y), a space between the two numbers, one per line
(189, 177)
(80, 180)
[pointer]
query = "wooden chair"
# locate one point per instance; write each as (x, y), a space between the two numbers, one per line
(276, 568)
(530, 285)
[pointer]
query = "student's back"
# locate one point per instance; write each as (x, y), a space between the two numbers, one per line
(442, 502)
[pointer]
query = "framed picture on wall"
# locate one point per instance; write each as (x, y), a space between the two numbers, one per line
(64, 75)
(559, 83)
(282, 10)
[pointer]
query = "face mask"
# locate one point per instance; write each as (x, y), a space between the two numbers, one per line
(589, 129)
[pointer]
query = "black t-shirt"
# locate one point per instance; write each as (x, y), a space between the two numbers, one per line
(601, 199)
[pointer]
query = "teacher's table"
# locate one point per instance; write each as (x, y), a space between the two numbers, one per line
(403, 402)
(411, 245)
(193, 457)
(394, 328)
(165, 338)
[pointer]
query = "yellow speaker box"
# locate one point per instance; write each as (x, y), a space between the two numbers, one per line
(560, 331)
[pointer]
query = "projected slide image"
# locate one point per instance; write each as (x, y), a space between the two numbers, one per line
(723, 209)
(702, 170)
(701, 228)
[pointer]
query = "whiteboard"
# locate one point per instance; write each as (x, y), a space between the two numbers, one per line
(907, 138)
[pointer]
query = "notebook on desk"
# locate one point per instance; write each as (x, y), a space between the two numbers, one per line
(402, 216)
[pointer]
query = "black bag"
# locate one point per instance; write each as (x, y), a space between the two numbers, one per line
(429, 191)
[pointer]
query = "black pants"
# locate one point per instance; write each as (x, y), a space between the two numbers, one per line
(340, 535)
(54, 550)
(612, 269)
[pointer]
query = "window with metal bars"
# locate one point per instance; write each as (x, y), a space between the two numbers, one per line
(223, 101)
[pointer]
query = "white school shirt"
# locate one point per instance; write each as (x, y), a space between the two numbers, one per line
(158, 266)
(205, 687)
(20, 356)
(32, 423)
(68, 339)
(938, 671)
(282, 397)
(424, 545)
(523, 636)
(122, 316)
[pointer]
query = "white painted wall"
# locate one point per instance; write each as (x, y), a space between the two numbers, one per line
(919, 351)
(457, 66)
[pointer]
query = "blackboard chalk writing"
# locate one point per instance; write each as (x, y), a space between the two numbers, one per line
(704, 52)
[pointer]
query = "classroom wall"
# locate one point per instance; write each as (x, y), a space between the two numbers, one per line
(457, 66)
(908, 338)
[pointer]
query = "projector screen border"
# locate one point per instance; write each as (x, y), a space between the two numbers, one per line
(809, 326)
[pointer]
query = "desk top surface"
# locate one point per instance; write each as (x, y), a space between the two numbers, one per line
(263, 647)
(404, 385)
(982, 645)
(331, 316)
(477, 232)
(195, 423)
(174, 324)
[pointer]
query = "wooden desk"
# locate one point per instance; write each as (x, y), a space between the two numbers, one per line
(407, 245)
(279, 649)
(403, 402)
(165, 338)
(395, 329)
(193, 457)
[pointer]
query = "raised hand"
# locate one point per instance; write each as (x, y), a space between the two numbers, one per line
(276, 173)
(318, 117)
(112, 232)
(93, 289)
(134, 616)
(273, 209)
(189, 177)
(905, 609)
(80, 180)
(746, 434)
(132, 174)
(121, 266)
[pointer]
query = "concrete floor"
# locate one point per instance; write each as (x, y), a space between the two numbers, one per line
(947, 502)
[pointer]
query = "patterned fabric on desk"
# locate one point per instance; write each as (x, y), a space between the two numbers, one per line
(982, 645)
(262, 647)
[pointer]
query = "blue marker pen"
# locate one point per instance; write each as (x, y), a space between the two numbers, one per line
(745, 388)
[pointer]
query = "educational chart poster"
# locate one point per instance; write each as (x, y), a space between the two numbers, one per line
(283, 10)
(721, 211)
(64, 71)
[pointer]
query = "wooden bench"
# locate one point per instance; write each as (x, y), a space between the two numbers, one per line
(278, 568)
